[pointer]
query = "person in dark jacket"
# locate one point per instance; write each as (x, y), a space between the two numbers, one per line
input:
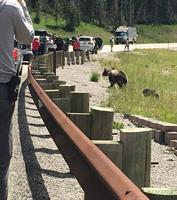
(59, 42)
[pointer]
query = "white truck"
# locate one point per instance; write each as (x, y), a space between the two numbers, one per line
(122, 33)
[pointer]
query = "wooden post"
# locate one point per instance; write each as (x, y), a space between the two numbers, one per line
(160, 193)
(112, 149)
(82, 54)
(47, 86)
(80, 102)
(136, 157)
(72, 58)
(101, 126)
(63, 103)
(54, 62)
(53, 94)
(88, 55)
(77, 57)
(57, 83)
(63, 59)
(82, 121)
(64, 91)
(68, 57)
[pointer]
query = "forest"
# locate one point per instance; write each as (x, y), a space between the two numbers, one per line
(107, 13)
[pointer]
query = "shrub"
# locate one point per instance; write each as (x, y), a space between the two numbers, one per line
(95, 76)
(117, 125)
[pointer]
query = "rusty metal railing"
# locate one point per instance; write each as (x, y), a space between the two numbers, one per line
(97, 175)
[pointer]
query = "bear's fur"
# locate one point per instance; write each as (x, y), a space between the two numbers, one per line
(116, 77)
(150, 92)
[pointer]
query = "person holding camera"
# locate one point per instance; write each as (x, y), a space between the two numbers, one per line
(15, 23)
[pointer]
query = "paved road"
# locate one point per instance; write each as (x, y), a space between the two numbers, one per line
(106, 48)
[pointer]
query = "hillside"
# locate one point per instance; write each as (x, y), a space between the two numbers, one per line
(146, 33)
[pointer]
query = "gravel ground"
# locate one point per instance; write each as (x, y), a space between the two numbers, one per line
(163, 174)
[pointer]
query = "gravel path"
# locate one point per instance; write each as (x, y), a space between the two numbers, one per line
(163, 174)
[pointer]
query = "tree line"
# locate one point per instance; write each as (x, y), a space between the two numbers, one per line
(108, 13)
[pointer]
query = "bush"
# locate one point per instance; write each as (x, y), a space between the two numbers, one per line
(95, 76)
(117, 125)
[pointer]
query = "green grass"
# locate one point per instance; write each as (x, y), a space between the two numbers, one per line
(157, 33)
(146, 33)
(155, 69)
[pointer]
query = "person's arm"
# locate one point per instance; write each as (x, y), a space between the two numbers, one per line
(24, 31)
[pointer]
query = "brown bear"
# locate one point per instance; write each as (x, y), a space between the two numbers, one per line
(150, 92)
(116, 77)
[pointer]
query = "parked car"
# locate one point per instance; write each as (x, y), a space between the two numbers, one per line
(25, 50)
(91, 44)
(87, 43)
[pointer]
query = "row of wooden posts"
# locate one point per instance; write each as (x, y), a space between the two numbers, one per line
(57, 59)
(132, 153)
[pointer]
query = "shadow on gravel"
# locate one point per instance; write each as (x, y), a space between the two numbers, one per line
(28, 96)
(37, 117)
(57, 174)
(41, 136)
(47, 151)
(33, 169)
(31, 103)
(36, 125)
(35, 109)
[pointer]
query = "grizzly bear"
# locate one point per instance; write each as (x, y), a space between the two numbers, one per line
(150, 92)
(115, 77)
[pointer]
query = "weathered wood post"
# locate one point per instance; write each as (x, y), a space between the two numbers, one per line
(77, 57)
(88, 55)
(112, 149)
(80, 102)
(160, 193)
(136, 154)
(63, 58)
(82, 54)
(54, 62)
(72, 58)
(82, 121)
(101, 126)
(63, 103)
(68, 57)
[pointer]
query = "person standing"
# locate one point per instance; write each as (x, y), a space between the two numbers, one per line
(59, 42)
(126, 44)
(111, 41)
(35, 47)
(15, 23)
(76, 44)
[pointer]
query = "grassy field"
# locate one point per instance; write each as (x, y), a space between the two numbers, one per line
(155, 69)
(146, 33)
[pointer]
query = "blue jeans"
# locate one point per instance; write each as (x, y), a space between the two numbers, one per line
(6, 112)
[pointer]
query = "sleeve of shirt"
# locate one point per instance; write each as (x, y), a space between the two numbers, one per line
(24, 32)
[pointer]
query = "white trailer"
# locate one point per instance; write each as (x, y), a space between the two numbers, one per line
(123, 32)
